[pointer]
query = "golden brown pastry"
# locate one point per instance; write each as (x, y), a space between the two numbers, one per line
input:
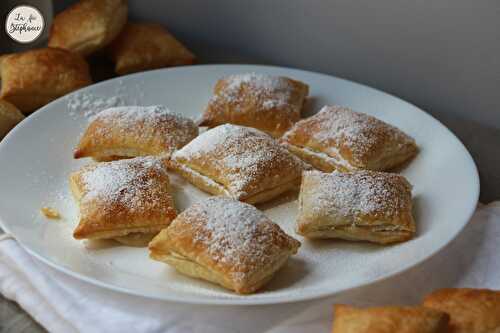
(359, 205)
(130, 131)
(226, 242)
(389, 319)
(238, 162)
(143, 46)
(88, 25)
(470, 310)
(2, 58)
(124, 200)
(33, 78)
(269, 103)
(10, 116)
(339, 138)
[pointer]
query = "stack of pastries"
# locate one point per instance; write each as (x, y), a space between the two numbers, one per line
(88, 28)
(256, 148)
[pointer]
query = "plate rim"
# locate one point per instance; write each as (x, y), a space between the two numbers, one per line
(312, 295)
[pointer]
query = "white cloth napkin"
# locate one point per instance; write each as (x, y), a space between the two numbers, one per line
(63, 304)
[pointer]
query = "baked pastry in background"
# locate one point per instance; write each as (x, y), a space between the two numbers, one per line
(238, 162)
(130, 131)
(126, 200)
(359, 205)
(10, 116)
(143, 46)
(339, 138)
(470, 310)
(2, 58)
(33, 78)
(88, 25)
(269, 103)
(389, 319)
(226, 242)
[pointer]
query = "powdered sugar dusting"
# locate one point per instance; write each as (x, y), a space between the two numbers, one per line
(359, 192)
(148, 122)
(336, 127)
(238, 235)
(270, 91)
(124, 182)
(243, 154)
(127, 116)
(91, 105)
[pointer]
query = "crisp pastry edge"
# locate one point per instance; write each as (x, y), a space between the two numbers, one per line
(356, 233)
(328, 226)
(323, 227)
(111, 154)
(320, 160)
(207, 184)
(193, 269)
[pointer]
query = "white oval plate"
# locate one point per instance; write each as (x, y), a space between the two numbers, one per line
(36, 159)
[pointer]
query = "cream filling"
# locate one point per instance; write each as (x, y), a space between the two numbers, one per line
(337, 160)
(209, 182)
(206, 180)
(136, 239)
(375, 228)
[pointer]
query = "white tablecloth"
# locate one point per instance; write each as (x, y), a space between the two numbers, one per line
(63, 304)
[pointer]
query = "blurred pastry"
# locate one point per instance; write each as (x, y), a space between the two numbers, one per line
(2, 58)
(144, 46)
(88, 25)
(360, 205)
(33, 78)
(224, 241)
(339, 138)
(126, 200)
(269, 103)
(130, 131)
(389, 319)
(10, 116)
(238, 162)
(470, 310)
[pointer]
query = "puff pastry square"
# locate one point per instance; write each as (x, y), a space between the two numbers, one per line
(10, 116)
(143, 46)
(224, 241)
(33, 78)
(359, 205)
(130, 131)
(389, 319)
(470, 310)
(339, 138)
(269, 103)
(88, 25)
(238, 162)
(124, 200)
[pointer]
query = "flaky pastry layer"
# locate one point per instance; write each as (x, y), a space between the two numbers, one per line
(357, 205)
(226, 242)
(121, 198)
(88, 25)
(269, 103)
(340, 138)
(239, 162)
